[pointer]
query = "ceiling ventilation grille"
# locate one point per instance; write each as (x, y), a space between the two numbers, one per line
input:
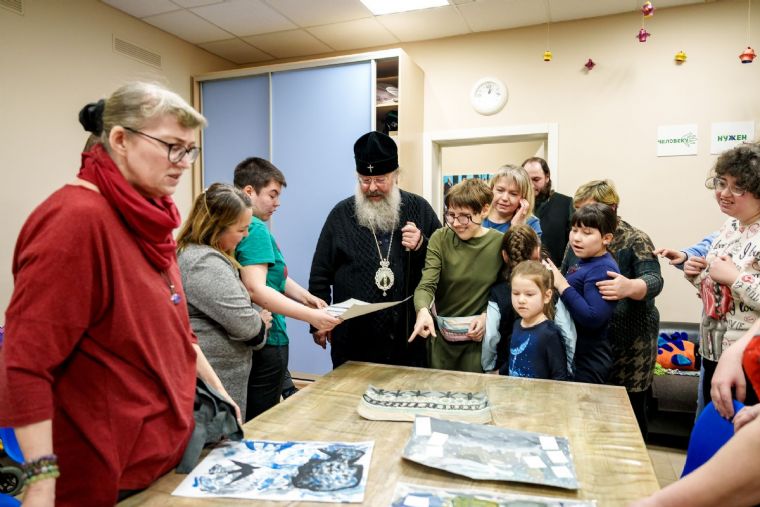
(16, 6)
(135, 51)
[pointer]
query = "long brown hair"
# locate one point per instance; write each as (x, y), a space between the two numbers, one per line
(213, 211)
(541, 276)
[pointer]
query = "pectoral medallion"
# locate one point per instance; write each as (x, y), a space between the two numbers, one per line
(384, 277)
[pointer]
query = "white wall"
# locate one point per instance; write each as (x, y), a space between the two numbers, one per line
(53, 60)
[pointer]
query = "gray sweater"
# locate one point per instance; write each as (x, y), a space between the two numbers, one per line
(227, 324)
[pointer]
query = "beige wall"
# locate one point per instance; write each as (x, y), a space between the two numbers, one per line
(53, 60)
(608, 117)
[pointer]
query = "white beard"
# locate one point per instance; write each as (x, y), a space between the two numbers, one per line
(380, 216)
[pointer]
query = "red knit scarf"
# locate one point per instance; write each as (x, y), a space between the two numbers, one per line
(151, 221)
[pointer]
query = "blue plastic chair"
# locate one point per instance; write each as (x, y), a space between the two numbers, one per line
(710, 432)
(12, 449)
(9, 501)
(10, 445)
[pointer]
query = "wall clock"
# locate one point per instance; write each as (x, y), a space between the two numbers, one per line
(489, 96)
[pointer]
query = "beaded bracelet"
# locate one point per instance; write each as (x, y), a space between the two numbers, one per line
(44, 467)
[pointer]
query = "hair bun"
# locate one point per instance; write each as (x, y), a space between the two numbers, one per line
(91, 117)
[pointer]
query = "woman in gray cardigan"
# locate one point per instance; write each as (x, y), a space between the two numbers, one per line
(227, 324)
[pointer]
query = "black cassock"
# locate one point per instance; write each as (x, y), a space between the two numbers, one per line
(346, 260)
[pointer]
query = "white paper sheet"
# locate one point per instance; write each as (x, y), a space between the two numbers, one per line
(351, 308)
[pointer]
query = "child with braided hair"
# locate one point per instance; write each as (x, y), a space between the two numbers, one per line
(520, 243)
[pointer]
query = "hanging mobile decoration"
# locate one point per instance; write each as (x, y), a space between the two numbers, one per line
(748, 54)
(647, 9)
(680, 57)
(590, 64)
(548, 54)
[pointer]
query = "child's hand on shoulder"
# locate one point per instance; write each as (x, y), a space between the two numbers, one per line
(560, 282)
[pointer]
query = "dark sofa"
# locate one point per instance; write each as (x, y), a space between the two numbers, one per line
(673, 401)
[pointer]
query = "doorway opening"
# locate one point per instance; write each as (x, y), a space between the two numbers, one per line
(451, 151)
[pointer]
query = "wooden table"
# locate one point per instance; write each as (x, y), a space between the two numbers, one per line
(611, 461)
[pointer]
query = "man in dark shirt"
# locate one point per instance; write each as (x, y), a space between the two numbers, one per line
(552, 209)
(372, 248)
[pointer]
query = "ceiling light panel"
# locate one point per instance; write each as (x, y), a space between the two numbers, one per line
(380, 7)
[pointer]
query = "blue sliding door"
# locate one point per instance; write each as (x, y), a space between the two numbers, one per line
(317, 114)
(237, 111)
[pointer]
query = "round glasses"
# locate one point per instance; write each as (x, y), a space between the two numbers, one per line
(174, 152)
(719, 184)
(378, 180)
(462, 219)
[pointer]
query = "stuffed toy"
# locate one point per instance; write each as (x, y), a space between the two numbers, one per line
(676, 352)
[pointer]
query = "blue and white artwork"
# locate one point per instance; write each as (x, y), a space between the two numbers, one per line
(287, 471)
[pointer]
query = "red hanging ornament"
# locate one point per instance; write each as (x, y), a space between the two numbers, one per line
(748, 55)
(643, 35)
(647, 9)
(590, 64)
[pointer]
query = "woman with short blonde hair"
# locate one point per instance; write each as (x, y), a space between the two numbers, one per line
(513, 200)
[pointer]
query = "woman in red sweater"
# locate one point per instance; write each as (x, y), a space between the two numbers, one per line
(97, 373)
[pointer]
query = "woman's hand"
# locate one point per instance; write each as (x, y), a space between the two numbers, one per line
(560, 282)
(313, 301)
(614, 289)
(322, 320)
(424, 325)
(477, 328)
(229, 400)
(521, 213)
(728, 374)
(723, 270)
(745, 415)
(675, 257)
(266, 318)
(694, 266)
